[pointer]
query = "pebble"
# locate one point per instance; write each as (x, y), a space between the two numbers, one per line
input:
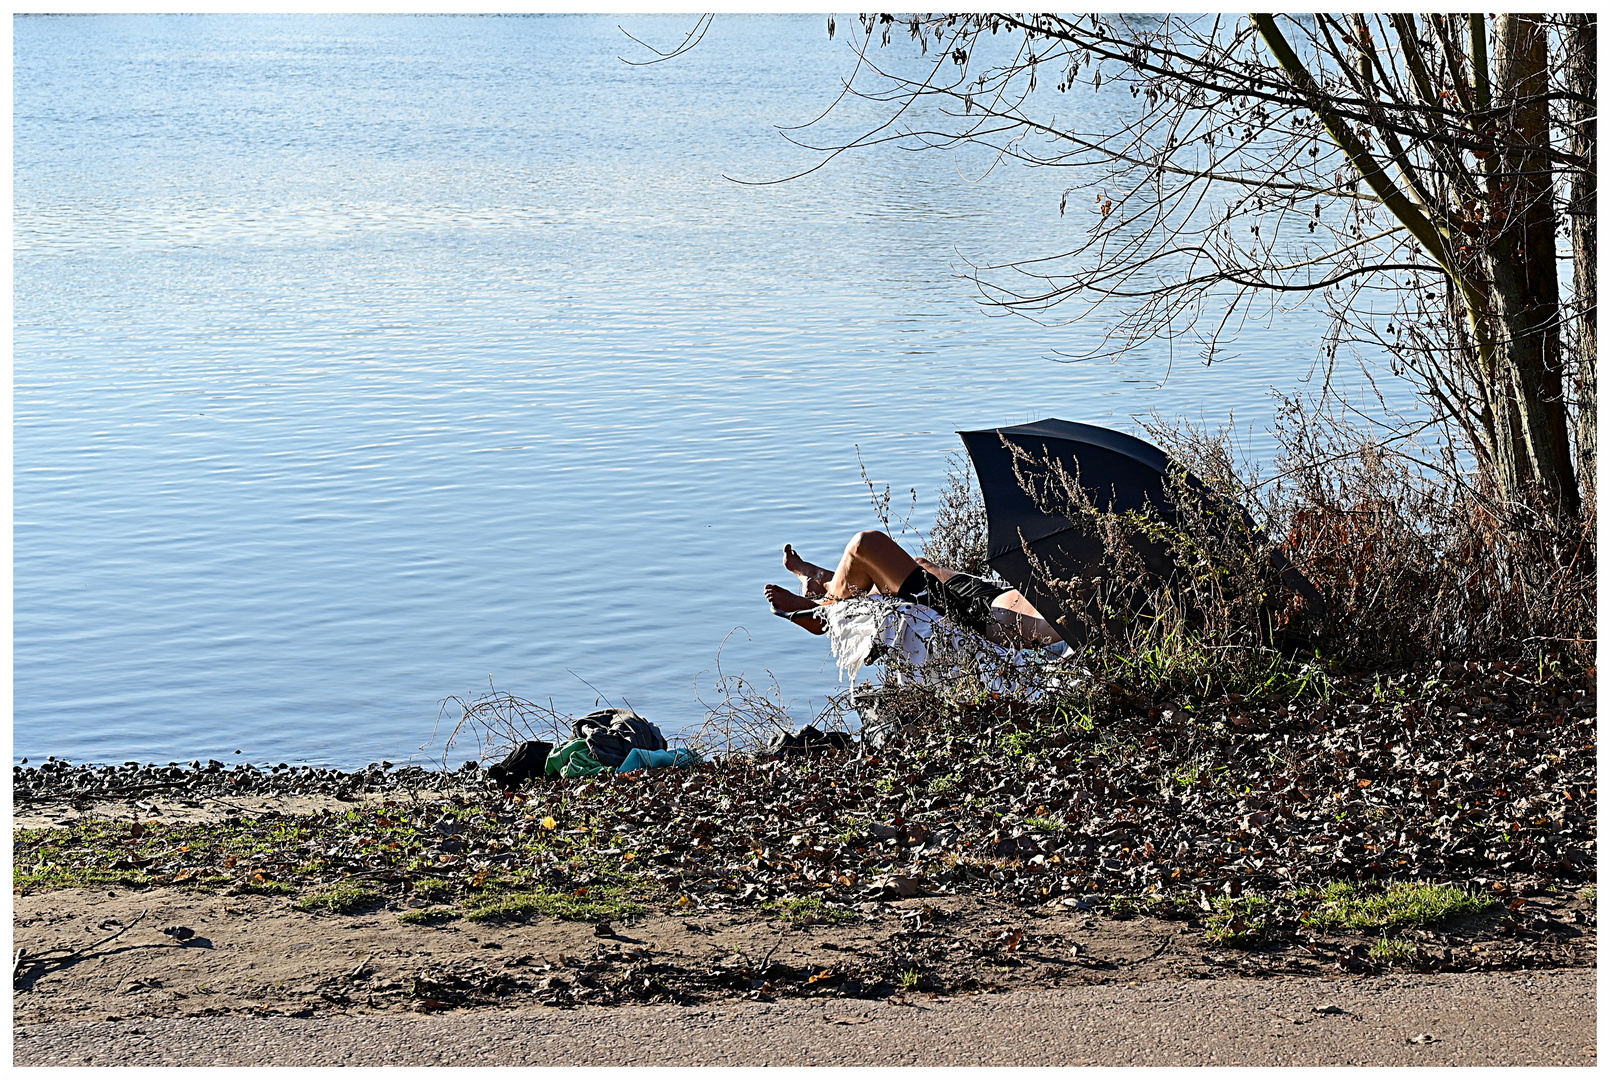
(58, 780)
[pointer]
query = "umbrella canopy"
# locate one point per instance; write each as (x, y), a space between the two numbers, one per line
(1118, 472)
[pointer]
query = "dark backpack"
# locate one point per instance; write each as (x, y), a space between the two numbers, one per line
(526, 762)
(807, 739)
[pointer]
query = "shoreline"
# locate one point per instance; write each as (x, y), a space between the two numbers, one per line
(67, 790)
(989, 850)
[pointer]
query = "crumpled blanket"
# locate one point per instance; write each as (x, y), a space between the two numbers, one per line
(868, 629)
(572, 761)
(638, 758)
(611, 734)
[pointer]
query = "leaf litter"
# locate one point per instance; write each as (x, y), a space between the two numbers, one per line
(1258, 825)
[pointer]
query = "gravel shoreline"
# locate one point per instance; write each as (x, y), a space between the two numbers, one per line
(56, 780)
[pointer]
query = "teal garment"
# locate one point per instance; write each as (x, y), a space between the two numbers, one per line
(638, 758)
(572, 760)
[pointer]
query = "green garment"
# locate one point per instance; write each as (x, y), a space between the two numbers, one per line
(572, 760)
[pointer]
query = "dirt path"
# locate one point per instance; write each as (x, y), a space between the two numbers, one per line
(259, 982)
(1502, 1018)
(100, 955)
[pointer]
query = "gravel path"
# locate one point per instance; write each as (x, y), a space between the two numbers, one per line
(1508, 1018)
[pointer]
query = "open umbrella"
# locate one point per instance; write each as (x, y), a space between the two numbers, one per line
(1118, 472)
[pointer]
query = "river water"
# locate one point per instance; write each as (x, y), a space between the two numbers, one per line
(363, 360)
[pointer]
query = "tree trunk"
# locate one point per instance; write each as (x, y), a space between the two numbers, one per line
(1582, 77)
(1525, 289)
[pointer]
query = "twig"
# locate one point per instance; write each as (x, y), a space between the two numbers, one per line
(766, 963)
(593, 688)
(1159, 951)
(21, 962)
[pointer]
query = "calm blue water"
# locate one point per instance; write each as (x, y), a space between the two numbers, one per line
(361, 359)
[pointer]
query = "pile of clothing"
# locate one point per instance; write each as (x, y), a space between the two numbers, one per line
(808, 739)
(607, 740)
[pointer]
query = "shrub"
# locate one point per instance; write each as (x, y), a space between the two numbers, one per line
(1414, 558)
(960, 534)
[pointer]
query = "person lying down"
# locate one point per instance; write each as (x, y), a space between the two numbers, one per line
(873, 562)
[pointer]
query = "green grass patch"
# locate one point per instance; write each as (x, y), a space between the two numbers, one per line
(808, 909)
(1341, 907)
(1128, 907)
(1044, 824)
(96, 852)
(593, 905)
(46, 877)
(1391, 950)
(1237, 921)
(852, 834)
(264, 855)
(428, 916)
(1016, 742)
(340, 899)
(433, 889)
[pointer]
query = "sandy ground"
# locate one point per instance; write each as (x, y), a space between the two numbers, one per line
(260, 954)
(258, 982)
(1508, 1018)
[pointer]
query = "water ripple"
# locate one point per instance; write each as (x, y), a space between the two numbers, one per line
(361, 358)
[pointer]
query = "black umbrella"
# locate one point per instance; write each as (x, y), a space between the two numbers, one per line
(1118, 472)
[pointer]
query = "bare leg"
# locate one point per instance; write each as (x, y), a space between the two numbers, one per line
(813, 579)
(1017, 622)
(1021, 620)
(782, 600)
(871, 560)
(874, 561)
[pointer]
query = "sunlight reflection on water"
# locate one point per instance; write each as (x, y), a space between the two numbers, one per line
(361, 359)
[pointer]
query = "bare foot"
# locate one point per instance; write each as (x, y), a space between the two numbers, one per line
(787, 602)
(813, 579)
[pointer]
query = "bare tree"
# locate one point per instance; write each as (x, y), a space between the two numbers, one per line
(1401, 169)
(1582, 80)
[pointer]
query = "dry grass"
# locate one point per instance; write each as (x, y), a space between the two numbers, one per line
(740, 716)
(496, 722)
(960, 536)
(1414, 558)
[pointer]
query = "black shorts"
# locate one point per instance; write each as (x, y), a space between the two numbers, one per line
(964, 599)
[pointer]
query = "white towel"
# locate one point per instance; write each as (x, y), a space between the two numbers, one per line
(933, 646)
